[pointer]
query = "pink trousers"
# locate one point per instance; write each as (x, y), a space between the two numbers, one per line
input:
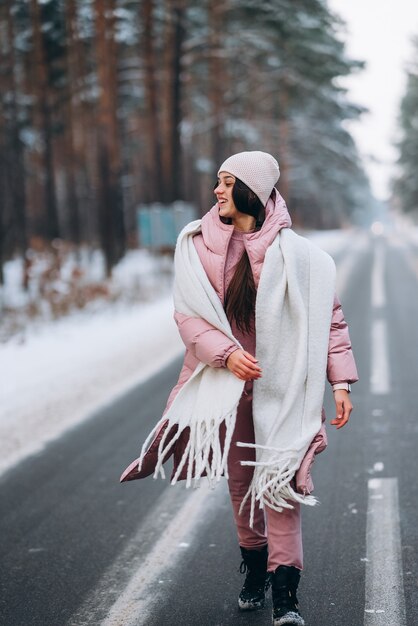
(281, 531)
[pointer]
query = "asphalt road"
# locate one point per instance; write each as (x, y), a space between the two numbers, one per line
(72, 538)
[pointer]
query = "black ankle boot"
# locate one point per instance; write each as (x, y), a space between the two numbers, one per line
(254, 565)
(284, 584)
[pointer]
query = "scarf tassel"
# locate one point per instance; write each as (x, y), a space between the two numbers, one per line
(270, 486)
(203, 453)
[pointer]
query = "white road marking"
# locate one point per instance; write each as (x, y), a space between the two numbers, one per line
(378, 277)
(385, 600)
(135, 582)
(380, 371)
(133, 606)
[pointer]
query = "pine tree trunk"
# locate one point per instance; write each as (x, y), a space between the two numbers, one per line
(82, 130)
(152, 164)
(172, 113)
(116, 150)
(167, 104)
(217, 78)
(110, 212)
(179, 35)
(72, 120)
(17, 172)
(44, 123)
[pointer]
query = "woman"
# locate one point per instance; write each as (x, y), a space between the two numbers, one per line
(254, 414)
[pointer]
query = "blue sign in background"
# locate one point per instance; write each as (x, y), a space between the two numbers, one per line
(159, 225)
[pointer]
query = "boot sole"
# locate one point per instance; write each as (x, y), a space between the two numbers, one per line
(250, 606)
(291, 619)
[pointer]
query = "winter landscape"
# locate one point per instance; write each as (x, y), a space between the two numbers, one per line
(115, 118)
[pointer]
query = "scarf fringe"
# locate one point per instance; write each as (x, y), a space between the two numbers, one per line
(203, 452)
(270, 486)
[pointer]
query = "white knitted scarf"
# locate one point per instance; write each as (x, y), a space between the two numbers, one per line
(293, 316)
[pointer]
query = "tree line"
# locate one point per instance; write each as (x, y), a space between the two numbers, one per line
(109, 104)
(405, 180)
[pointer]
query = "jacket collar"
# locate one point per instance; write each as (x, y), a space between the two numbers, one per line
(217, 235)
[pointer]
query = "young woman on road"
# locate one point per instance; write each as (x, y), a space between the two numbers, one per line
(256, 307)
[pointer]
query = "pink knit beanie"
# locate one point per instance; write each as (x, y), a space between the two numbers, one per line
(258, 170)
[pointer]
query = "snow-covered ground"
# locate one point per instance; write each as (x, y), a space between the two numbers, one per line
(59, 372)
(61, 280)
(330, 240)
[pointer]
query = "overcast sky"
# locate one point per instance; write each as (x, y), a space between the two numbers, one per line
(379, 32)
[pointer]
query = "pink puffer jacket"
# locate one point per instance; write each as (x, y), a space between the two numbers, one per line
(209, 345)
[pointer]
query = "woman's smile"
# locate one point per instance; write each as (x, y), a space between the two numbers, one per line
(226, 204)
(223, 191)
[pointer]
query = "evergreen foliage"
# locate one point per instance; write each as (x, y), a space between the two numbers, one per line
(105, 104)
(405, 186)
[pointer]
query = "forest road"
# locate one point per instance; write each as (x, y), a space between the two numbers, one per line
(76, 547)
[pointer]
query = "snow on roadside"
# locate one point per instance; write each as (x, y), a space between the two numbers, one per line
(68, 368)
(332, 241)
(67, 282)
(71, 367)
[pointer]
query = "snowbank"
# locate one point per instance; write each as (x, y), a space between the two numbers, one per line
(71, 367)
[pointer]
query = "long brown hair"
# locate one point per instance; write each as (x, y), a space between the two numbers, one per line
(241, 293)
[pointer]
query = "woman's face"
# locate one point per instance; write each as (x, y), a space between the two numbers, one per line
(223, 193)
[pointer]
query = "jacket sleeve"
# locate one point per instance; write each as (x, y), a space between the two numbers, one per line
(208, 344)
(341, 366)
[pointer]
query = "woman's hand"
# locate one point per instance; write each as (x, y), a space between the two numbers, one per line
(244, 365)
(343, 406)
